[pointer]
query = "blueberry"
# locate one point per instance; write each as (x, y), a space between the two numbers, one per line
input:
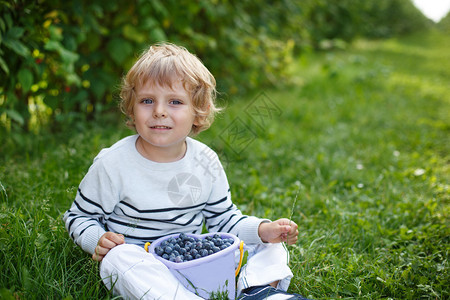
(159, 250)
(186, 248)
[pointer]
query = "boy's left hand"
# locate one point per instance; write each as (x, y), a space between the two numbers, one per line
(282, 230)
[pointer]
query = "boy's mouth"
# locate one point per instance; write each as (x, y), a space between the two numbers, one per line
(160, 127)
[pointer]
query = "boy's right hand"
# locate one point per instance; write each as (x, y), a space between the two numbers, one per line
(106, 242)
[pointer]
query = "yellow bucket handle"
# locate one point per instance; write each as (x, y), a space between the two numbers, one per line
(146, 246)
(241, 250)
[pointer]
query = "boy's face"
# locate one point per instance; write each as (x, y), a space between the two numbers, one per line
(163, 116)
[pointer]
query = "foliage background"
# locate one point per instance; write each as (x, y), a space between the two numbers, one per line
(61, 61)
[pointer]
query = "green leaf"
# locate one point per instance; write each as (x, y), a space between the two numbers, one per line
(14, 115)
(72, 78)
(55, 33)
(25, 78)
(52, 45)
(4, 66)
(8, 20)
(52, 101)
(67, 56)
(92, 41)
(81, 97)
(98, 89)
(2, 25)
(15, 33)
(158, 34)
(159, 8)
(119, 49)
(131, 33)
(17, 47)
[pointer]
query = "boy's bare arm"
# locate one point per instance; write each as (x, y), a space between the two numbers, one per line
(106, 242)
(282, 230)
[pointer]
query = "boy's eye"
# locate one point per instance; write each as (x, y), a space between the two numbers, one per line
(176, 102)
(147, 101)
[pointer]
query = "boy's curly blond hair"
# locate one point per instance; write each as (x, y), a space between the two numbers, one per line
(163, 64)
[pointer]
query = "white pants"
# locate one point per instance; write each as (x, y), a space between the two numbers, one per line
(135, 274)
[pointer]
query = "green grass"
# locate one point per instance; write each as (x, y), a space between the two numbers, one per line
(362, 138)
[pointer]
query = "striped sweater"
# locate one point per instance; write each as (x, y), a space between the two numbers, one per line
(124, 192)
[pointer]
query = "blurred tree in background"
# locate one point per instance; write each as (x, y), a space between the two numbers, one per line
(61, 61)
(444, 24)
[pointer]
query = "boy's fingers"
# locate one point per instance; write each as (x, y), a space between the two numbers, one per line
(293, 232)
(99, 253)
(101, 250)
(106, 243)
(283, 221)
(117, 239)
(292, 235)
(96, 257)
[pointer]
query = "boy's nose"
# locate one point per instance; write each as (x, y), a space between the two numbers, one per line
(159, 111)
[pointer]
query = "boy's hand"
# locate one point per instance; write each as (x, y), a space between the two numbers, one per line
(282, 230)
(107, 241)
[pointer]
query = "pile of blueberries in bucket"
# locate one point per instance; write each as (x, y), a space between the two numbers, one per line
(185, 248)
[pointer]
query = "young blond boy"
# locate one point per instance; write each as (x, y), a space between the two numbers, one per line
(161, 181)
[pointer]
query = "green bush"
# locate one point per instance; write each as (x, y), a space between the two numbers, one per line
(70, 55)
(61, 61)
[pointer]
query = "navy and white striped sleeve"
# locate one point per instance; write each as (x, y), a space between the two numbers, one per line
(94, 202)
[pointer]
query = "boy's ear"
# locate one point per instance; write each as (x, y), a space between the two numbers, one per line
(197, 120)
(198, 117)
